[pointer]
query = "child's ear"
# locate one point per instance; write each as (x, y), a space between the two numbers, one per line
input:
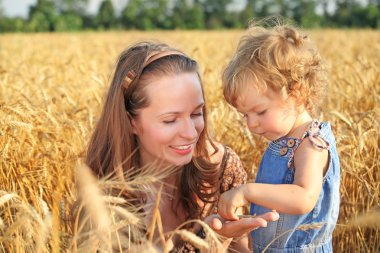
(298, 105)
(284, 93)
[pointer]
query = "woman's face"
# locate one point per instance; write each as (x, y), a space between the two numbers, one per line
(168, 129)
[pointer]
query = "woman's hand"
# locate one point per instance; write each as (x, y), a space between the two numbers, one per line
(238, 228)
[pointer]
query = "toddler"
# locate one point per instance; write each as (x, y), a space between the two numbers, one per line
(276, 80)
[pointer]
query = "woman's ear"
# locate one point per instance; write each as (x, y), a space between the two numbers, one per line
(135, 126)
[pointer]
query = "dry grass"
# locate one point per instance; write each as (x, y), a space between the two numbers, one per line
(51, 90)
(110, 224)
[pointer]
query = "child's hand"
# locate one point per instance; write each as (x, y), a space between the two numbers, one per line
(231, 200)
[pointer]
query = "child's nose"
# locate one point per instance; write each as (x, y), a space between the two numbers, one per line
(252, 122)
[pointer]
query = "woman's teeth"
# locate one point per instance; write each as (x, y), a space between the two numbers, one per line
(182, 147)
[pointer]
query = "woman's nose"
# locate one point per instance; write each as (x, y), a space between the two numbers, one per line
(188, 129)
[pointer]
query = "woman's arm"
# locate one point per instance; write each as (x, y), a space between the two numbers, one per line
(233, 175)
(241, 243)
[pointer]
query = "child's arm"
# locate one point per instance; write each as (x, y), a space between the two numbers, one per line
(297, 198)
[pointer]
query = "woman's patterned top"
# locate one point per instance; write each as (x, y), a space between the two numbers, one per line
(233, 175)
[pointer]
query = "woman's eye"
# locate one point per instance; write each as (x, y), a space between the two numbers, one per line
(169, 121)
(262, 112)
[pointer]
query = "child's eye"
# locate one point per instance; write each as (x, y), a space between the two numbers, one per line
(262, 112)
(243, 115)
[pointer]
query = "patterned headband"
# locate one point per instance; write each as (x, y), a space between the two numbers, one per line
(151, 58)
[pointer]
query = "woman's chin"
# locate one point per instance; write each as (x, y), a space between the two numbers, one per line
(181, 162)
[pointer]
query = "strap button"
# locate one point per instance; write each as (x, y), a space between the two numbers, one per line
(291, 143)
(283, 151)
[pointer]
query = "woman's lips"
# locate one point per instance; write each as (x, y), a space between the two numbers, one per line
(182, 149)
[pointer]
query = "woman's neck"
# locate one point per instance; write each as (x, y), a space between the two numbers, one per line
(169, 183)
(171, 180)
(169, 171)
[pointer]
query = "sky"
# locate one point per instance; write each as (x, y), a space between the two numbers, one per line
(20, 8)
(14, 8)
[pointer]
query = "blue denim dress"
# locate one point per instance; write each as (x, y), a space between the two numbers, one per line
(277, 168)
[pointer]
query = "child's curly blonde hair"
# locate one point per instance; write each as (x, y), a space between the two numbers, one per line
(279, 58)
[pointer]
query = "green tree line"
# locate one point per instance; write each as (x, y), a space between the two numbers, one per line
(71, 15)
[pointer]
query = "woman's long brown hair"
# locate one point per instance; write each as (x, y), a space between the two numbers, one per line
(113, 148)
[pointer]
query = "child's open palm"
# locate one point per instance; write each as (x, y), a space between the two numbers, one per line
(230, 201)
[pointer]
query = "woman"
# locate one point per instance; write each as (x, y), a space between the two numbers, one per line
(155, 114)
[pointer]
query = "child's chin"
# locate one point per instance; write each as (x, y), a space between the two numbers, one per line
(266, 137)
(270, 137)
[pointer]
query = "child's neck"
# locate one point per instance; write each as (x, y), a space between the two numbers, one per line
(301, 124)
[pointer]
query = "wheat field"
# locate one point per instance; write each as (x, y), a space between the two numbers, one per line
(51, 92)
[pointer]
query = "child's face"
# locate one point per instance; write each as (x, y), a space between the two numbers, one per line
(267, 113)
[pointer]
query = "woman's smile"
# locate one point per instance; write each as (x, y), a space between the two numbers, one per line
(183, 149)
